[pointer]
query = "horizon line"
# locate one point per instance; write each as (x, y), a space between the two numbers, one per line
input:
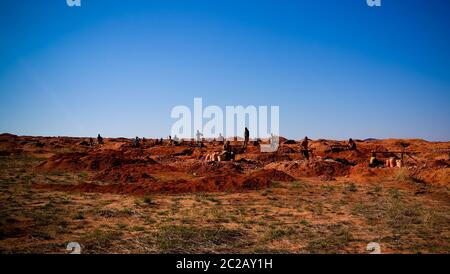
(193, 138)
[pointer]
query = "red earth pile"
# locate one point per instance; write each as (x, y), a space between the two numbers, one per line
(117, 167)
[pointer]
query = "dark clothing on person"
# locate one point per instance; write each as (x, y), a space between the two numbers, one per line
(246, 137)
(100, 139)
(226, 146)
(136, 142)
(305, 143)
(304, 148)
(305, 153)
(227, 153)
(351, 144)
(374, 162)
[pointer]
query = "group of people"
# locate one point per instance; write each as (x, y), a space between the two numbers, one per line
(306, 150)
(227, 154)
(99, 141)
(136, 142)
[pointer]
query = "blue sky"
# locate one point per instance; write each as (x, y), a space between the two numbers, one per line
(336, 68)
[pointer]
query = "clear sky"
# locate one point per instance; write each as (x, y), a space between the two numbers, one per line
(336, 68)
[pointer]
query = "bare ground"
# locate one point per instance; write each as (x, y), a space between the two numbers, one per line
(307, 215)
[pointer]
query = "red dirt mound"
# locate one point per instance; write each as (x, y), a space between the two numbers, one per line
(132, 173)
(255, 180)
(267, 157)
(432, 172)
(363, 173)
(201, 168)
(180, 168)
(171, 150)
(435, 172)
(91, 161)
(283, 149)
(312, 168)
(264, 177)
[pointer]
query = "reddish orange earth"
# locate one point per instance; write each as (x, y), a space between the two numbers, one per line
(118, 167)
(165, 198)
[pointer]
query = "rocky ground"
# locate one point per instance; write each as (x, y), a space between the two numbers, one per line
(164, 198)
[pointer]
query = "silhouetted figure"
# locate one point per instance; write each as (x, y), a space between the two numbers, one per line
(374, 162)
(246, 137)
(199, 137)
(226, 146)
(136, 142)
(351, 144)
(99, 139)
(305, 147)
(227, 153)
(91, 142)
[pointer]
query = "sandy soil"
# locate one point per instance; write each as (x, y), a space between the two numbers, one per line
(166, 199)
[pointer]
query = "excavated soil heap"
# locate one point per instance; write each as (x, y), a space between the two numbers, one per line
(254, 180)
(117, 167)
(436, 172)
(93, 161)
(363, 173)
(313, 168)
(201, 168)
(133, 171)
(267, 157)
